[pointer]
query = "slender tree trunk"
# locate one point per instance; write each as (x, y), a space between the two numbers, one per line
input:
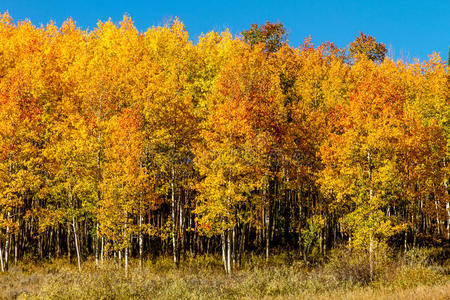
(41, 252)
(370, 207)
(266, 210)
(96, 243)
(447, 207)
(229, 251)
(99, 175)
(371, 257)
(174, 219)
(437, 217)
(234, 247)
(141, 241)
(77, 245)
(180, 245)
(102, 250)
(224, 247)
(68, 241)
(16, 248)
(2, 264)
(126, 245)
(191, 235)
(7, 243)
(58, 241)
(126, 260)
(405, 241)
(241, 244)
(267, 221)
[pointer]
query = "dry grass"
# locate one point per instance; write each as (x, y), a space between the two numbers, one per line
(203, 278)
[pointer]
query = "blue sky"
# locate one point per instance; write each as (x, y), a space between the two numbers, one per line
(409, 28)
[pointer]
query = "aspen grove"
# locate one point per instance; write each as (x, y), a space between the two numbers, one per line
(120, 144)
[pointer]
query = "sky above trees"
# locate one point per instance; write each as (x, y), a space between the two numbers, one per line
(410, 29)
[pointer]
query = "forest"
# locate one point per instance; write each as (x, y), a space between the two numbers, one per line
(121, 145)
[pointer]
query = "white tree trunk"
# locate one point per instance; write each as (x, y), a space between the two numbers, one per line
(96, 244)
(77, 245)
(126, 246)
(447, 206)
(7, 244)
(102, 250)
(141, 241)
(1, 260)
(224, 255)
(229, 251)
(126, 260)
(174, 220)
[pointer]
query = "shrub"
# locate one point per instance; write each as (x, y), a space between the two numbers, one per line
(353, 265)
(426, 256)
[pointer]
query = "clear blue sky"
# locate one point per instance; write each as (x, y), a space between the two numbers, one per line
(409, 28)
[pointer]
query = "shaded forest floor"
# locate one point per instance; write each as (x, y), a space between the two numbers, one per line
(341, 276)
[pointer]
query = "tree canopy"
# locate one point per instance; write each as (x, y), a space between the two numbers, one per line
(119, 143)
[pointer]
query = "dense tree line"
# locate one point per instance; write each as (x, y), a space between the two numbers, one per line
(117, 143)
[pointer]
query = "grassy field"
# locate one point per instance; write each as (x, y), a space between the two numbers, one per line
(202, 278)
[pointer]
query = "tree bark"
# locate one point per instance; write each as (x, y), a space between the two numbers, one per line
(371, 257)
(141, 241)
(102, 250)
(126, 238)
(7, 243)
(1, 259)
(224, 247)
(174, 219)
(96, 243)
(229, 251)
(77, 245)
(234, 247)
(68, 241)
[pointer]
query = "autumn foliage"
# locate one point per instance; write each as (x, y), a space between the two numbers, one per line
(119, 143)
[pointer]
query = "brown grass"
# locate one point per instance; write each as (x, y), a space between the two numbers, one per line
(202, 278)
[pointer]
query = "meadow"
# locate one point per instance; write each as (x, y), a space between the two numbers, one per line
(343, 275)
